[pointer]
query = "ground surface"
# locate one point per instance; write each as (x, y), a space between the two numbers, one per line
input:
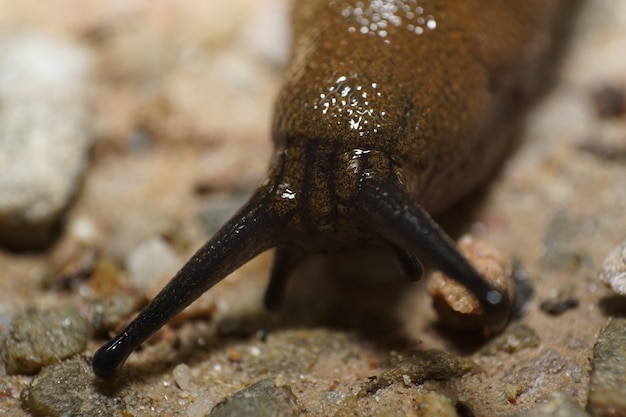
(181, 103)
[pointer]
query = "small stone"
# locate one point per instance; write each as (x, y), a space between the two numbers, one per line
(67, 389)
(454, 304)
(516, 337)
(44, 138)
(528, 379)
(608, 378)
(557, 306)
(84, 230)
(234, 355)
(512, 391)
(182, 377)
(280, 380)
(613, 270)
(201, 406)
(421, 366)
(558, 405)
(149, 263)
(263, 399)
(433, 404)
(41, 337)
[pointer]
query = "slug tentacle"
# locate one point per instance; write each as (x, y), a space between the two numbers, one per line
(409, 263)
(286, 258)
(250, 231)
(391, 213)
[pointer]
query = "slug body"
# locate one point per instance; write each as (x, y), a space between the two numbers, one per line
(390, 109)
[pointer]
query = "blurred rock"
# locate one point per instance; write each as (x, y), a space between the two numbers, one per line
(150, 263)
(608, 379)
(613, 271)
(420, 366)
(43, 134)
(39, 338)
(261, 399)
(68, 389)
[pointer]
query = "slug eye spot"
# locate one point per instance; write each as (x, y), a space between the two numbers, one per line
(494, 297)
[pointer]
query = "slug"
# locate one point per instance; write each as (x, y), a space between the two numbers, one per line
(390, 110)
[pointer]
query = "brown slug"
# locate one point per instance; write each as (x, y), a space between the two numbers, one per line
(390, 110)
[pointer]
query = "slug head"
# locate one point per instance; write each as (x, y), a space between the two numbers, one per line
(318, 199)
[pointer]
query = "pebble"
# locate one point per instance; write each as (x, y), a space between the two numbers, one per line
(557, 306)
(41, 337)
(454, 304)
(548, 370)
(280, 380)
(515, 338)
(259, 400)
(613, 270)
(201, 406)
(608, 378)
(558, 405)
(433, 404)
(182, 376)
(44, 137)
(421, 366)
(149, 263)
(68, 389)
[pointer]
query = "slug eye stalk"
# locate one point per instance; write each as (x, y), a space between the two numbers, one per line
(390, 212)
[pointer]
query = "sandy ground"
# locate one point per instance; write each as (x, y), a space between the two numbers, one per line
(181, 104)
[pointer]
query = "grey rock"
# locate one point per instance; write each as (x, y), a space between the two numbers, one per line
(43, 134)
(608, 378)
(419, 366)
(259, 400)
(41, 337)
(68, 389)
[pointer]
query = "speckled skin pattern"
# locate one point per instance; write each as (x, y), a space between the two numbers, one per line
(441, 95)
(390, 109)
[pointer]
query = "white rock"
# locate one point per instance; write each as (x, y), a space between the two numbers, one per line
(43, 134)
(151, 264)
